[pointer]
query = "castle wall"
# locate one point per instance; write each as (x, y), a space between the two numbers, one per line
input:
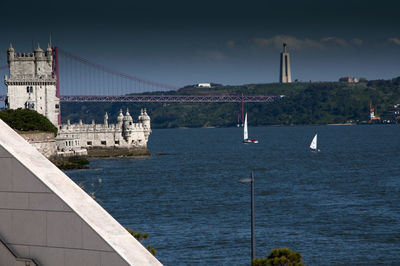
(99, 135)
(24, 66)
(124, 134)
(44, 142)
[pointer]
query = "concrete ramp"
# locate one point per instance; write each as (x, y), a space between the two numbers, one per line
(45, 217)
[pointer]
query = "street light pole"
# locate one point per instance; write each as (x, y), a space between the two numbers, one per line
(253, 251)
(253, 245)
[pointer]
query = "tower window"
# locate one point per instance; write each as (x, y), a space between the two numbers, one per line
(29, 105)
(57, 106)
(103, 142)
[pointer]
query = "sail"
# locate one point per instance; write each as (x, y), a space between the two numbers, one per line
(313, 144)
(245, 133)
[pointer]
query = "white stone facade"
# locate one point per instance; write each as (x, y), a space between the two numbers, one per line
(124, 134)
(31, 83)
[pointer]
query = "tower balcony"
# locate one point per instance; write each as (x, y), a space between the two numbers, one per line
(30, 80)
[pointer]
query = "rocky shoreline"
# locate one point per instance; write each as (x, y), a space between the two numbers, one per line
(70, 163)
(116, 152)
(82, 162)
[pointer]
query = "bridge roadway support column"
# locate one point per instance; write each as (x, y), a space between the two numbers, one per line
(56, 73)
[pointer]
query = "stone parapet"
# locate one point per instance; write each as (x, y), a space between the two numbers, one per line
(30, 80)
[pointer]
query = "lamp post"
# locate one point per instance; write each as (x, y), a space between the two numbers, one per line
(251, 180)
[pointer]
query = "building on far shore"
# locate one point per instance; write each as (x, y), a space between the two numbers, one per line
(349, 79)
(373, 118)
(204, 85)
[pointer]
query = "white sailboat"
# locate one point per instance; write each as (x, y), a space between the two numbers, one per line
(246, 134)
(313, 145)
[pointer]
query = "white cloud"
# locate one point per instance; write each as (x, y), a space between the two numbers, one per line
(394, 40)
(297, 43)
(335, 41)
(293, 42)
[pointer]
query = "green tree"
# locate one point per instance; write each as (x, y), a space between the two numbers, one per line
(140, 237)
(280, 257)
(27, 120)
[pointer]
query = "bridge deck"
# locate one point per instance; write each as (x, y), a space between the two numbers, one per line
(167, 98)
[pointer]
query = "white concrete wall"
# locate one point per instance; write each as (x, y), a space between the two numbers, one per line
(46, 217)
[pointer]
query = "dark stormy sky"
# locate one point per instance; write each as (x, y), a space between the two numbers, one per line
(229, 42)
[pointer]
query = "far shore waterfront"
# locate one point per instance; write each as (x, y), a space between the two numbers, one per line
(292, 125)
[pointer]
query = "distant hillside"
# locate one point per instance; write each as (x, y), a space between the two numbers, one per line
(304, 103)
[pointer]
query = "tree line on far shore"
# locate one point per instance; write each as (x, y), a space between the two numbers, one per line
(303, 104)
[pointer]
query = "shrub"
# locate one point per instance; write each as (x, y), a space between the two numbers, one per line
(27, 120)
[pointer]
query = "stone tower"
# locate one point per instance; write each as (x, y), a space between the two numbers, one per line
(285, 74)
(31, 83)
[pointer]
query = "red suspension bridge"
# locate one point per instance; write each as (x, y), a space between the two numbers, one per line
(81, 80)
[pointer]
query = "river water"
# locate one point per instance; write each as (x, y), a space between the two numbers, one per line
(340, 206)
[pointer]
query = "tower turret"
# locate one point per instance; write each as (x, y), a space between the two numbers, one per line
(10, 54)
(120, 119)
(38, 52)
(126, 128)
(127, 117)
(144, 118)
(106, 120)
(49, 53)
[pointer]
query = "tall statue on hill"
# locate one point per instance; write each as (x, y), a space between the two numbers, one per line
(285, 74)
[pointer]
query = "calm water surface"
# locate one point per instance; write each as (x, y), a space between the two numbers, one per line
(340, 206)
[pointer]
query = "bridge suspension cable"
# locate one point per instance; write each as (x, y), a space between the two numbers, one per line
(98, 76)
